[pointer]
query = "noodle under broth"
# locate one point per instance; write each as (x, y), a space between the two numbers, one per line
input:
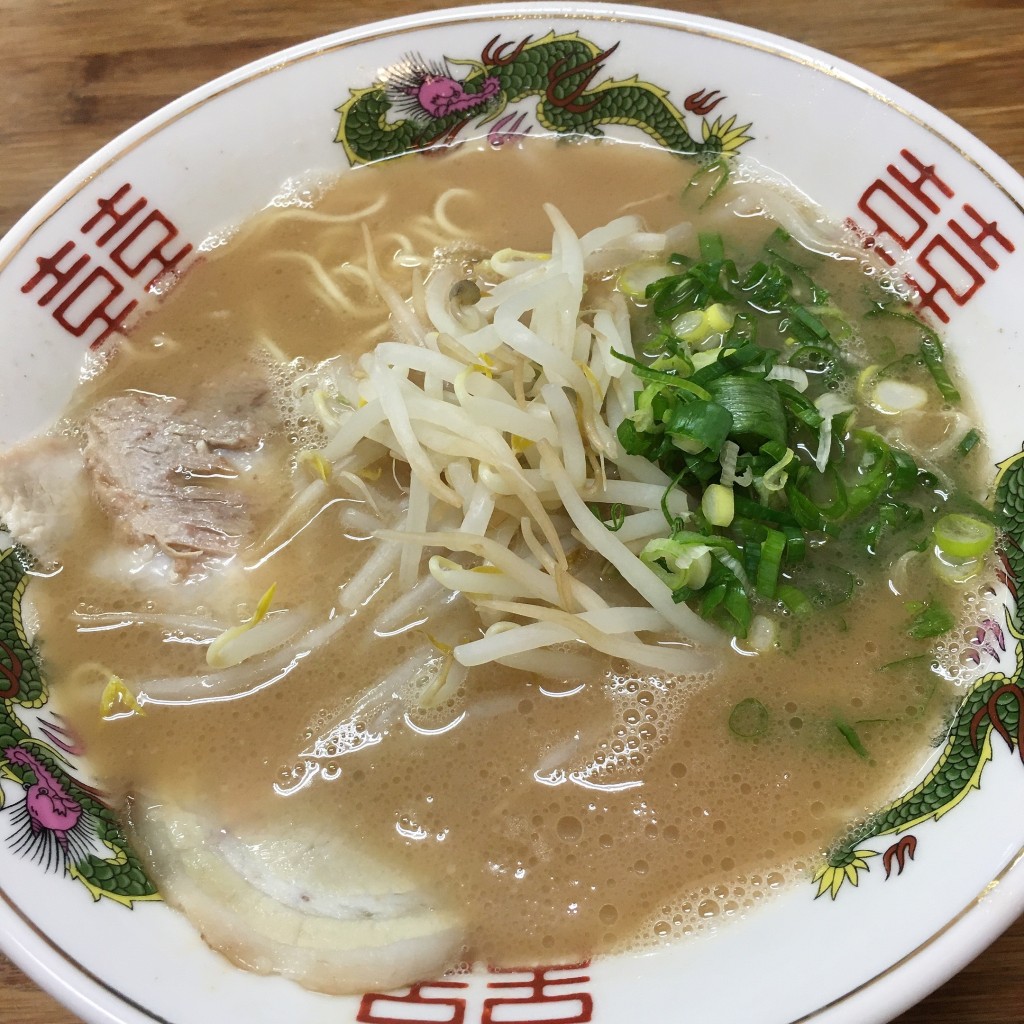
(561, 818)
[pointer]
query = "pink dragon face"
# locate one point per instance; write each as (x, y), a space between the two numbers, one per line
(439, 95)
(49, 808)
(48, 804)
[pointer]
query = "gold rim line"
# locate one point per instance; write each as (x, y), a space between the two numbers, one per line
(75, 963)
(370, 36)
(1017, 860)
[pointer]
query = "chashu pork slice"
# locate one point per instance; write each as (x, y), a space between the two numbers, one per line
(165, 468)
(309, 907)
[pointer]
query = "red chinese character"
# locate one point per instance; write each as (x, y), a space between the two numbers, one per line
(925, 176)
(414, 1007)
(952, 274)
(118, 218)
(976, 243)
(97, 292)
(49, 267)
(150, 249)
(891, 214)
(893, 211)
(573, 1007)
(952, 261)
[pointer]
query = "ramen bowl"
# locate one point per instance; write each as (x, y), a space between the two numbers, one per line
(877, 923)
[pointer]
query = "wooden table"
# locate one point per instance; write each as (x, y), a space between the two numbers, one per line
(76, 72)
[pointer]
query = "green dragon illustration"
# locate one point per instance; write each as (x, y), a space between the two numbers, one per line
(994, 705)
(559, 70)
(62, 822)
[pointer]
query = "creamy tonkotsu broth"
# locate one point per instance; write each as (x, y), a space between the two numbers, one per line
(562, 818)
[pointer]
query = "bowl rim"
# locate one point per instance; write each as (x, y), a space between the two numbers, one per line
(968, 146)
(878, 998)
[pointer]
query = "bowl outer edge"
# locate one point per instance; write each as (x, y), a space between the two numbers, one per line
(878, 1000)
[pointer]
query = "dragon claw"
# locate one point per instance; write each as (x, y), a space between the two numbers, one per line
(901, 852)
(703, 102)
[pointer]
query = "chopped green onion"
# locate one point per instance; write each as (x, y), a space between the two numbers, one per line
(794, 600)
(757, 413)
(719, 168)
(775, 477)
(616, 516)
(718, 505)
(755, 510)
(778, 472)
(804, 316)
(931, 352)
(729, 361)
(772, 548)
(645, 372)
(932, 620)
(896, 396)
(796, 544)
(956, 571)
(737, 604)
(961, 536)
(904, 470)
(632, 440)
(711, 246)
(911, 659)
(850, 735)
(679, 363)
(682, 560)
(763, 634)
(749, 719)
(968, 442)
(705, 422)
(832, 586)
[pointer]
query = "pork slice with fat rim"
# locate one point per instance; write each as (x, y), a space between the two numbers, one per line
(304, 905)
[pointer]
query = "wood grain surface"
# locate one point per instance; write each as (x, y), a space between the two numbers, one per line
(74, 73)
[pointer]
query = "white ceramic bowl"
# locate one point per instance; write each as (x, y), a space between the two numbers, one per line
(919, 188)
